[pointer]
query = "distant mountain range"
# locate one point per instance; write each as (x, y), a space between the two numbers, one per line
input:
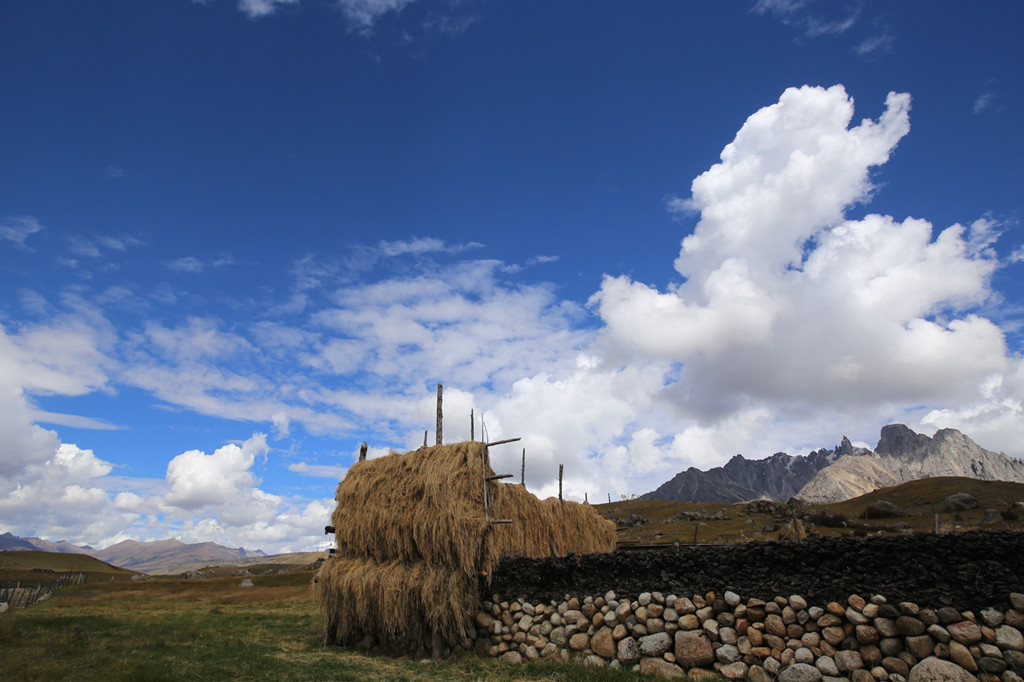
(828, 476)
(159, 557)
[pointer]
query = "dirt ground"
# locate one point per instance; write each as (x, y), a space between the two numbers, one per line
(966, 570)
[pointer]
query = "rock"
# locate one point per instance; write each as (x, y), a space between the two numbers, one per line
(1015, 659)
(921, 646)
(579, 641)
(958, 502)
(799, 672)
(628, 651)
(937, 670)
(867, 634)
(603, 643)
(1017, 599)
(992, 617)
(594, 661)
(484, 620)
(4, 606)
(991, 516)
(773, 625)
(727, 653)
(897, 665)
(947, 615)
(689, 622)
(827, 666)
(961, 655)
(883, 509)
(658, 667)
(965, 632)
(909, 626)
(693, 649)
(246, 583)
(511, 657)
(1009, 638)
(655, 645)
(992, 665)
(848, 661)
(734, 671)
(756, 673)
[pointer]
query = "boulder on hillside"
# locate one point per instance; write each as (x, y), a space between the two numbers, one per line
(991, 516)
(958, 502)
(883, 509)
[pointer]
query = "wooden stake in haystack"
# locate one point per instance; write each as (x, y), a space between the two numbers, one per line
(415, 534)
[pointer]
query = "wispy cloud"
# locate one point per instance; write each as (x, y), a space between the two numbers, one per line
(875, 45)
(319, 470)
(448, 26)
(193, 264)
(420, 246)
(18, 229)
(261, 8)
(985, 101)
(363, 14)
(93, 247)
(813, 19)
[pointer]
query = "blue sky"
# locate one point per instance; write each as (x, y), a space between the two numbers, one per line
(238, 237)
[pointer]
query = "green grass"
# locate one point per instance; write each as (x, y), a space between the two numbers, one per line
(171, 629)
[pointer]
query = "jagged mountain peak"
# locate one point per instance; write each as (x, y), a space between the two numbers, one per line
(829, 475)
(902, 455)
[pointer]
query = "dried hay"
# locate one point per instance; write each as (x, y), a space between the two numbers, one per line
(397, 604)
(413, 540)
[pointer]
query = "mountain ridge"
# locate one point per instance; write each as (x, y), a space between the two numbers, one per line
(824, 476)
(158, 556)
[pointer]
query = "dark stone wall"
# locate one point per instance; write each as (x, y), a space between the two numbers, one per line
(964, 570)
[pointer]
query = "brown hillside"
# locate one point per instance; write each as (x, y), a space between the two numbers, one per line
(43, 568)
(663, 522)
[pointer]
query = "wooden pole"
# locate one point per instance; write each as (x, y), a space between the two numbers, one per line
(609, 498)
(424, 438)
(439, 417)
(522, 472)
(560, 482)
(472, 425)
(362, 451)
(586, 499)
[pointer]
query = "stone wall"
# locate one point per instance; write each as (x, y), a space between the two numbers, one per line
(786, 638)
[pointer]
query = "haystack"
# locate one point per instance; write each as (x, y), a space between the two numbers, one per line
(417, 540)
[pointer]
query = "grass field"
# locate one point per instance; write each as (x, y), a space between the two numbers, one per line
(212, 629)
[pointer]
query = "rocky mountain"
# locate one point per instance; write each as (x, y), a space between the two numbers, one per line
(778, 477)
(902, 456)
(160, 557)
